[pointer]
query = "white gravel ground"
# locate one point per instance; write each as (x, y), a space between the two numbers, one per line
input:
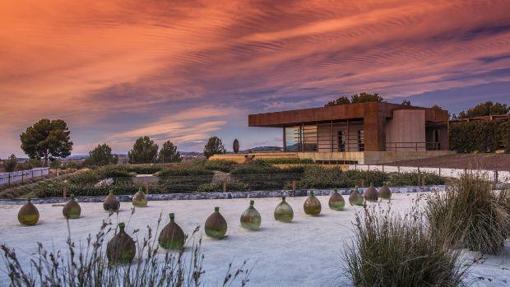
(306, 252)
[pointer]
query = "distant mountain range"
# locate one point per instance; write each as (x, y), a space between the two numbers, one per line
(264, 148)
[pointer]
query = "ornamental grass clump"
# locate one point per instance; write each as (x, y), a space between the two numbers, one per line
(85, 264)
(398, 250)
(470, 215)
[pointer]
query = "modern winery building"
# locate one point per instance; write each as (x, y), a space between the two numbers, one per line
(367, 133)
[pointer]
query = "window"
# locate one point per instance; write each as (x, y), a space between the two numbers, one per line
(361, 140)
(341, 141)
(292, 139)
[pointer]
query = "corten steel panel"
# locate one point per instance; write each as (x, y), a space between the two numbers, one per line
(333, 113)
(313, 115)
(374, 116)
(373, 125)
(406, 126)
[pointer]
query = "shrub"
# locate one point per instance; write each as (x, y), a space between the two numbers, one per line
(285, 161)
(414, 178)
(85, 266)
(396, 250)
(470, 215)
(216, 187)
(84, 177)
(504, 131)
(366, 178)
(263, 176)
(144, 168)
(466, 137)
(221, 165)
(323, 177)
(113, 171)
(10, 163)
(184, 171)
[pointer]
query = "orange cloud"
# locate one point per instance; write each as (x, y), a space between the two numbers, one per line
(122, 68)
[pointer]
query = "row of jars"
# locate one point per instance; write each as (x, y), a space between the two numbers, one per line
(121, 248)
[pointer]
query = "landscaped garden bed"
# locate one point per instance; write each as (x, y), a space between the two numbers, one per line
(198, 177)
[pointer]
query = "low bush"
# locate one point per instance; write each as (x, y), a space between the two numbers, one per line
(324, 177)
(183, 183)
(470, 215)
(144, 168)
(396, 250)
(218, 187)
(79, 265)
(113, 171)
(263, 176)
(221, 165)
(184, 171)
(414, 178)
(285, 161)
(262, 167)
(84, 177)
(366, 178)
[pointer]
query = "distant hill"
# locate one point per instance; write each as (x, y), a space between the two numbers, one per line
(264, 149)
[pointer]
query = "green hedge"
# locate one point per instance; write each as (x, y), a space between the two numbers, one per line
(113, 171)
(218, 187)
(285, 161)
(221, 165)
(504, 132)
(326, 177)
(264, 176)
(261, 167)
(183, 183)
(184, 171)
(414, 178)
(467, 137)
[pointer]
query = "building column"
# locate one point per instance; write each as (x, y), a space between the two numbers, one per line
(373, 126)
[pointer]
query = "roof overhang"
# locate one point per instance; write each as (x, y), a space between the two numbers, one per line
(336, 113)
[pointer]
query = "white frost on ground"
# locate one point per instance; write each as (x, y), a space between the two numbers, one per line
(306, 252)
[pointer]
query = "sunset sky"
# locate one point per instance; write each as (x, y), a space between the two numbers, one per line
(186, 70)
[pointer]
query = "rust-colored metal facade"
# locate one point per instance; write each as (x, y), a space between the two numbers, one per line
(365, 124)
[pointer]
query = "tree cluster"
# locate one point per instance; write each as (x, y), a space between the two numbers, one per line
(485, 109)
(358, 98)
(466, 137)
(145, 150)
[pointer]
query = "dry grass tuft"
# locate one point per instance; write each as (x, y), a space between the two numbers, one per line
(87, 265)
(394, 250)
(470, 215)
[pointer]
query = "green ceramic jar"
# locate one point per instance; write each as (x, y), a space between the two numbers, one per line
(111, 203)
(385, 192)
(312, 205)
(28, 214)
(216, 225)
(140, 199)
(283, 211)
(336, 201)
(355, 198)
(121, 249)
(72, 209)
(172, 236)
(370, 194)
(250, 219)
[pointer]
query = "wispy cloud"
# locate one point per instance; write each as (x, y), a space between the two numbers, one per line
(118, 69)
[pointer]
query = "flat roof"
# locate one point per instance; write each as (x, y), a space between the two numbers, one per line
(337, 113)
